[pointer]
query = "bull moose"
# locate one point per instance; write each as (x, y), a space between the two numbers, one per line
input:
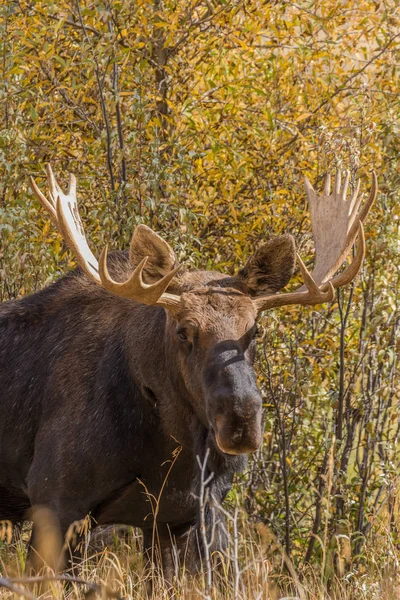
(118, 379)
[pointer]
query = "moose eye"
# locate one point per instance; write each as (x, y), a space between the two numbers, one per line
(182, 335)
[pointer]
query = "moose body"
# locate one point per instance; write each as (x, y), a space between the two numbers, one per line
(122, 378)
(93, 411)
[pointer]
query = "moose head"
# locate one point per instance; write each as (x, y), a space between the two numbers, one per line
(211, 318)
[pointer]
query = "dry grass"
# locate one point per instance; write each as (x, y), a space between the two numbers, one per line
(255, 568)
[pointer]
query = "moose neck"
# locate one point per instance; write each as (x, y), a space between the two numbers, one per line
(154, 368)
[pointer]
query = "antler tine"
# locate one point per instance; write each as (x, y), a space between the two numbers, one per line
(371, 199)
(55, 189)
(346, 184)
(327, 184)
(354, 267)
(355, 200)
(336, 226)
(63, 210)
(136, 288)
(64, 213)
(315, 293)
(43, 201)
(70, 226)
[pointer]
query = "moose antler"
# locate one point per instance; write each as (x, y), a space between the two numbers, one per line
(336, 223)
(63, 210)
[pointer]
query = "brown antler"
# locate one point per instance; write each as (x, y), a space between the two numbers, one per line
(336, 223)
(63, 210)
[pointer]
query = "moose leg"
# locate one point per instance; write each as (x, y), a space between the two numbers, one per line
(56, 541)
(54, 548)
(168, 548)
(45, 545)
(58, 512)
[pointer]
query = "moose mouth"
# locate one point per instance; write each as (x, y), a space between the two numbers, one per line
(230, 451)
(242, 439)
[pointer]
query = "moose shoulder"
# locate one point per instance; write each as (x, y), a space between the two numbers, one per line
(123, 375)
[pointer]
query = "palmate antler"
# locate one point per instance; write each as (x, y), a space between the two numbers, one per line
(336, 223)
(63, 210)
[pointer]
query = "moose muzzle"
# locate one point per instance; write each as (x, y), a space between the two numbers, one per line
(235, 435)
(233, 403)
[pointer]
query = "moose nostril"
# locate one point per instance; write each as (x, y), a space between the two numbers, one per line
(238, 436)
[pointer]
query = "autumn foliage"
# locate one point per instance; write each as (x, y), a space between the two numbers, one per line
(200, 118)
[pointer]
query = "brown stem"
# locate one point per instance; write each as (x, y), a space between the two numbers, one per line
(79, 112)
(67, 21)
(160, 59)
(318, 508)
(118, 115)
(102, 101)
(282, 457)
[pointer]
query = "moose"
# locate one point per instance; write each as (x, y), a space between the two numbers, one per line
(123, 376)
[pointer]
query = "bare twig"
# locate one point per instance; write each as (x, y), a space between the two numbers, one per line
(282, 455)
(204, 498)
(13, 586)
(118, 115)
(338, 90)
(66, 21)
(102, 100)
(79, 112)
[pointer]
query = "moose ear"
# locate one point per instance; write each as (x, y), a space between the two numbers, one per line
(161, 257)
(271, 266)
